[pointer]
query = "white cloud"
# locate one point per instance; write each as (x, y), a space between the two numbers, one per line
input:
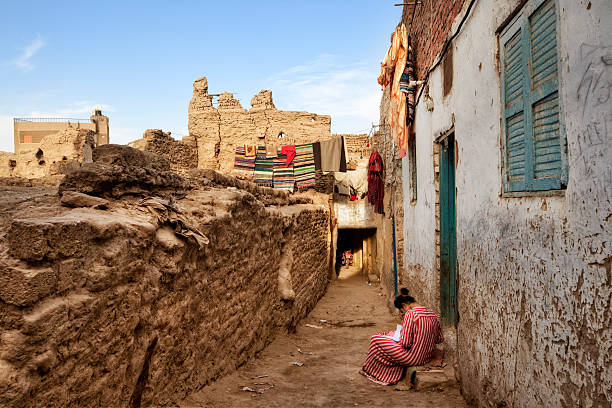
(346, 91)
(6, 133)
(77, 110)
(23, 60)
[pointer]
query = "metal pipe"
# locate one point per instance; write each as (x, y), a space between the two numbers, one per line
(394, 255)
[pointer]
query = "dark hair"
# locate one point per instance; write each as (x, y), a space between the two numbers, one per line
(403, 298)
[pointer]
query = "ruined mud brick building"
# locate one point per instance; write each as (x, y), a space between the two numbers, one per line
(182, 155)
(51, 158)
(29, 132)
(45, 147)
(137, 285)
(218, 130)
(505, 194)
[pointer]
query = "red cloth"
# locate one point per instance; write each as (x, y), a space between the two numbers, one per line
(289, 150)
(387, 358)
(376, 189)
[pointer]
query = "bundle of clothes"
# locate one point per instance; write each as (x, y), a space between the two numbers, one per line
(291, 167)
(397, 70)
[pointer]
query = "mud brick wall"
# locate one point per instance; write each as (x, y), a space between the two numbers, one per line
(112, 308)
(218, 130)
(182, 155)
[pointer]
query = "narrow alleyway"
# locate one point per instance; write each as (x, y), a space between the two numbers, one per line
(332, 355)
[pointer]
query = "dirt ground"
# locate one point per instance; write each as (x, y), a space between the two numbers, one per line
(331, 358)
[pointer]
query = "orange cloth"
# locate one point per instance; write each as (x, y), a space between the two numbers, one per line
(391, 71)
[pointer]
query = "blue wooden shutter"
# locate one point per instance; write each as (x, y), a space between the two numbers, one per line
(544, 99)
(516, 138)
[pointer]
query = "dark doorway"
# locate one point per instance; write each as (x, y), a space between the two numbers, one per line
(448, 232)
(356, 252)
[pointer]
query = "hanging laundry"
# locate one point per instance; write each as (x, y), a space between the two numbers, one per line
(343, 156)
(332, 154)
(405, 84)
(391, 71)
(356, 180)
(242, 163)
(283, 174)
(249, 150)
(271, 151)
(304, 167)
(289, 151)
(376, 190)
(316, 152)
(264, 168)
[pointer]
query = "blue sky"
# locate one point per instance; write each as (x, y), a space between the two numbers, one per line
(138, 60)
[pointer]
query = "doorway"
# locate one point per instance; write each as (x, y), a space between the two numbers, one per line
(448, 232)
(356, 252)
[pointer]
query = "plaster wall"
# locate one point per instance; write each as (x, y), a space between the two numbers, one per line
(354, 214)
(534, 273)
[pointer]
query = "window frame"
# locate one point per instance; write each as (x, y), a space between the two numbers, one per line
(520, 21)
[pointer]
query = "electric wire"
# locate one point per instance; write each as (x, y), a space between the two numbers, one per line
(444, 50)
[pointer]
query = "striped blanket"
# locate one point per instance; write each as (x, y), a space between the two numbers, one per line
(283, 174)
(264, 168)
(242, 163)
(304, 166)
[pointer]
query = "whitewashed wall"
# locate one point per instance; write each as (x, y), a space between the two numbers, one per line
(534, 272)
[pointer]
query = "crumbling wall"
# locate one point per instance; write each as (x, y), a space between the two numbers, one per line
(159, 294)
(55, 154)
(383, 143)
(182, 155)
(533, 272)
(218, 130)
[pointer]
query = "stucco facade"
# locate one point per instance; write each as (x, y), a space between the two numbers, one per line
(534, 271)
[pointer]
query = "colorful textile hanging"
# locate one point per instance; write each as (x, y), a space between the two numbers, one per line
(304, 166)
(391, 71)
(405, 87)
(289, 151)
(271, 151)
(283, 174)
(249, 150)
(242, 163)
(264, 168)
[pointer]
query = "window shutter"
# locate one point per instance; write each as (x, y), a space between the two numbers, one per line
(516, 139)
(544, 98)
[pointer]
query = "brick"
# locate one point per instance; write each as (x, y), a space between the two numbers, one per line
(23, 287)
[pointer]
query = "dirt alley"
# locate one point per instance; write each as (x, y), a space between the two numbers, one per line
(331, 357)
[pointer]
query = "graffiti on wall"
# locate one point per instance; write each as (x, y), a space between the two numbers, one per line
(592, 156)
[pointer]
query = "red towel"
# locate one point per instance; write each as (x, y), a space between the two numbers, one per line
(289, 150)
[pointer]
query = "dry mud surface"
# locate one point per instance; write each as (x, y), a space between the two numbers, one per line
(329, 376)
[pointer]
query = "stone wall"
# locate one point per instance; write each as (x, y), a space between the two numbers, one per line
(182, 155)
(533, 271)
(154, 296)
(218, 130)
(55, 154)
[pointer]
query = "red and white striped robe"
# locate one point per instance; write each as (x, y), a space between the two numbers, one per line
(387, 358)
